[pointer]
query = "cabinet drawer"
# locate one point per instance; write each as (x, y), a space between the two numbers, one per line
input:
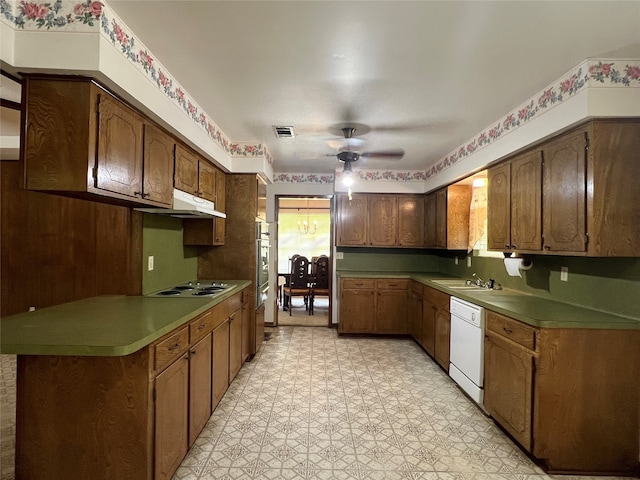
(438, 298)
(359, 283)
(202, 325)
(514, 330)
(170, 348)
(392, 284)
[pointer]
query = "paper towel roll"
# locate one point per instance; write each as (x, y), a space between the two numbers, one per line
(514, 265)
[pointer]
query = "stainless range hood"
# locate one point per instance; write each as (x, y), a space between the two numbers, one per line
(186, 205)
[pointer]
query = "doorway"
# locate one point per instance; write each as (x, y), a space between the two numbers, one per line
(303, 227)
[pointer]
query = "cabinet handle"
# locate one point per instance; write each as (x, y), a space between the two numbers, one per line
(138, 194)
(507, 330)
(513, 246)
(146, 195)
(202, 326)
(506, 245)
(173, 347)
(547, 247)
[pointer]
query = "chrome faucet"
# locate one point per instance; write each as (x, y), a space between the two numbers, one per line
(490, 284)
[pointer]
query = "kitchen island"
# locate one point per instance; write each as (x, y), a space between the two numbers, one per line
(119, 387)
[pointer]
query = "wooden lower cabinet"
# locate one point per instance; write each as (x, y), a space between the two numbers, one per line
(508, 384)
(220, 362)
(568, 396)
(235, 344)
(171, 417)
(415, 311)
(376, 306)
(199, 386)
(436, 325)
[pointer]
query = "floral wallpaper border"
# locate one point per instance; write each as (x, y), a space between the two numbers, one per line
(590, 73)
(84, 16)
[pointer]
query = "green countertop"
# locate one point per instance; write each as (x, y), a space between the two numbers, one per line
(114, 325)
(535, 311)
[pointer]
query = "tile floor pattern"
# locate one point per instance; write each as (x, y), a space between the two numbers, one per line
(312, 405)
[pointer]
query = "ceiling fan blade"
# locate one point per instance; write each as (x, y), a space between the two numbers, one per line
(395, 154)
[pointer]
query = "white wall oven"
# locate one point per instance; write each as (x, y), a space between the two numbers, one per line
(262, 262)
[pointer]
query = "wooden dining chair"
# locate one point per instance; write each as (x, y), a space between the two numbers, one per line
(320, 285)
(298, 282)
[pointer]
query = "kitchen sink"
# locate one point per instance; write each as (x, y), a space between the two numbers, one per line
(459, 284)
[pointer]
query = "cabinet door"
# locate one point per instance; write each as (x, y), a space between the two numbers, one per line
(171, 417)
(441, 219)
(206, 180)
(235, 344)
(259, 335)
(526, 202)
(158, 165)
(220, 366)
(499, 207)
(443, 337)
(221, 182)
(430, 218)
(246, 330)
(219, 231)
(199, 386)
(564, 195)
(186, 171)
(391, 312)
(411, 221)
(508, 383)
(356, 311)
(428, 341)
(353, 220)
(120, 140)
(383, 220)
(415, 316)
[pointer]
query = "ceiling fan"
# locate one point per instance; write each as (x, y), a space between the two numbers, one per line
(348, 155)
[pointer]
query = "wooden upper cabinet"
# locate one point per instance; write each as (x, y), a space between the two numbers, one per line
(575, 194)
(220, 191)
(120, 143)
(383, 220)
(613, 196)
(564, 195)
(526, 208)
(447, 217)
(353, 220)
(80, 139)
(186, 170)
(499, 207)
(411, 221)
(206, 181)
(158, 165)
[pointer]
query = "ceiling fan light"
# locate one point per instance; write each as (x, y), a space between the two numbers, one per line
(347, 175)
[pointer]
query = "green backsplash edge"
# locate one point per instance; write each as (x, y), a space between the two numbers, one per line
(606, 284)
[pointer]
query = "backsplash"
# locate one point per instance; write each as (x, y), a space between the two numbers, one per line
(387, 259)
(606, 284)
(173, 262)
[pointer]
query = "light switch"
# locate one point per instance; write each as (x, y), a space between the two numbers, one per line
(469, 261)
(150, 266)
(339, 255)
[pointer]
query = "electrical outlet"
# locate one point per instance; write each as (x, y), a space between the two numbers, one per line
(469, 261)
(564, 274)
(339, 255)
(150, 263)
(456, 261)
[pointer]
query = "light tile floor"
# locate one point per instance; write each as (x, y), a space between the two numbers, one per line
(312, 405)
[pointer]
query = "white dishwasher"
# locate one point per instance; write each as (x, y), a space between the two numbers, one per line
(466, 366)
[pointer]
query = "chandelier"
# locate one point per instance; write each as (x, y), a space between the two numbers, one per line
(305, 227)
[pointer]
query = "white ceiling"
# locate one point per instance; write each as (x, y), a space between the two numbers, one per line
(425, 76)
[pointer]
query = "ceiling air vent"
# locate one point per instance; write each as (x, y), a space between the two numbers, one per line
(284, 132)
